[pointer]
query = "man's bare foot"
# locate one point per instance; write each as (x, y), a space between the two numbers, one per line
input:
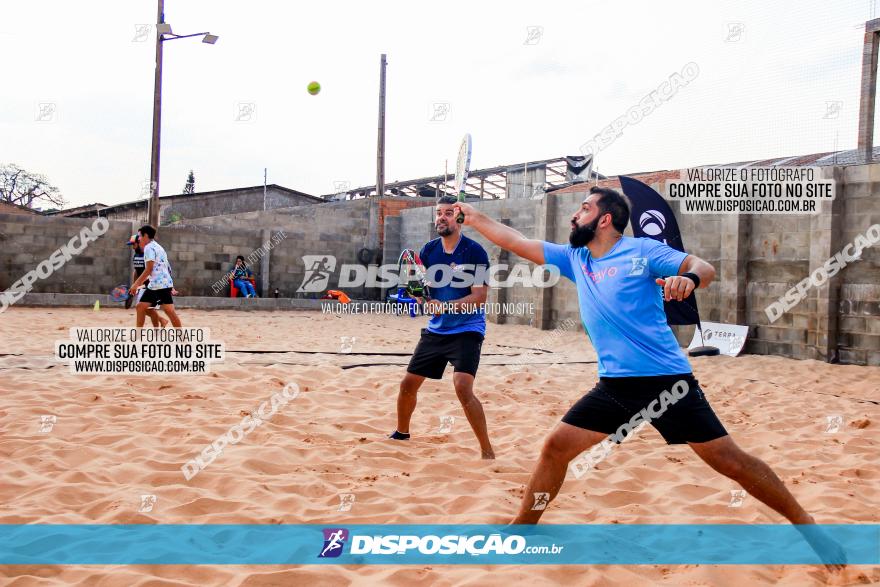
(488, 454)
(828, 549)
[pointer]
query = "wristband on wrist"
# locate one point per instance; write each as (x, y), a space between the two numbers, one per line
(693, 277)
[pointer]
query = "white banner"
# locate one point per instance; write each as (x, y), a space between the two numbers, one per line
(729, 338)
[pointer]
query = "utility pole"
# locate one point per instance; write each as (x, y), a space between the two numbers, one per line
(157, 123)
(380, 151)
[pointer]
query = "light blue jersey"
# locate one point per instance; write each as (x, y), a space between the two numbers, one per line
(622, 306)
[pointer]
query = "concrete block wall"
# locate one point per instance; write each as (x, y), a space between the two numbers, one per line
(858, 304)
(200, 206)
(778, 256)
(202, 250)
(839, 320)
(416, 227)
(758, 258)
(200, 258)
(521, 214)
(391, 207)
(562, 300)
(134, 214)
(27, 240)
(340, 229)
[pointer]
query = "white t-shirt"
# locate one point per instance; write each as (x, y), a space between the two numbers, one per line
(160, 277)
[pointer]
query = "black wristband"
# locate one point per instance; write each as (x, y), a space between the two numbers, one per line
(693, 277)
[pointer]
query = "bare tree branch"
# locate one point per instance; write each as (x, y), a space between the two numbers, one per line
(21, 187)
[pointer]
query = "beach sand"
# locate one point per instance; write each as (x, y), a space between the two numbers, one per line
(116, 438)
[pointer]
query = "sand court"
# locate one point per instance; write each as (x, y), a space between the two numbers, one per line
(102, 449)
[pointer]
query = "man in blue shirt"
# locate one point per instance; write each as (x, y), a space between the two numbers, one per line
(458, 324)
(621, 306)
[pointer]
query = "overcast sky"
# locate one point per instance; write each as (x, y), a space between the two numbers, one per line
(767, 73)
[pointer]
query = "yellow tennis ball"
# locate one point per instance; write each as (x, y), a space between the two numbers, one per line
(314, 88)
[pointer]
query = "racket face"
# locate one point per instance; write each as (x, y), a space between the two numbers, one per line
(404, 266)
(119, 293)
(463, 164)
(410, 265)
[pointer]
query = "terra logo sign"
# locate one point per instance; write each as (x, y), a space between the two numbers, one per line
(334, 540)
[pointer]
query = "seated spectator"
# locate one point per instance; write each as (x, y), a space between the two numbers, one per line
(241, 277)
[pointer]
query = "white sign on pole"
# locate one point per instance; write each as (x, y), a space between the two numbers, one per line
(729, 338)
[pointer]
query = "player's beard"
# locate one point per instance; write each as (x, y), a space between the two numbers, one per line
(582, 235)
(443, 229)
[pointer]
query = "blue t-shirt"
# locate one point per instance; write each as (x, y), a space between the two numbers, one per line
(622, 306)
(466, 257)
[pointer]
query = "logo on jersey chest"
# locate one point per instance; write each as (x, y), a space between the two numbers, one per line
(598, 276)
(638, 265)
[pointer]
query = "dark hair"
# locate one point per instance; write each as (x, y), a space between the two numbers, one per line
(148, 230)
(447, 200)
(614, 203)
(240, 257)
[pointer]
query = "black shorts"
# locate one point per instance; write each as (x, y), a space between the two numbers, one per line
(615, 400)
(434, 351)
(157, 297)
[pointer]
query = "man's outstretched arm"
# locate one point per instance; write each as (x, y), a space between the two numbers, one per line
(504, 236)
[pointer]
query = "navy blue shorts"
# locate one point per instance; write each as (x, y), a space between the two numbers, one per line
(615, 400)
(435, 351)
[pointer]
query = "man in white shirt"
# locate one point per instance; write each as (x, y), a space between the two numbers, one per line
(158, 271)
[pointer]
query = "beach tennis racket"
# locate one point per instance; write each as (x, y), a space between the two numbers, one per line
(119, 293)
(410, 264)
(462, 167)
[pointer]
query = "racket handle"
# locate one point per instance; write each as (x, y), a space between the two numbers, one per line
(460, 217)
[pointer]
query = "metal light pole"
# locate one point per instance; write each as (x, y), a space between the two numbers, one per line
(162, 29)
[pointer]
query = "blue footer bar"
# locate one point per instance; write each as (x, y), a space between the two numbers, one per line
(619, 544)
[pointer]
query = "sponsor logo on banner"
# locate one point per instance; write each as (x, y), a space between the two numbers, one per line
(652, 222)
(728, 338)
(334, 540)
